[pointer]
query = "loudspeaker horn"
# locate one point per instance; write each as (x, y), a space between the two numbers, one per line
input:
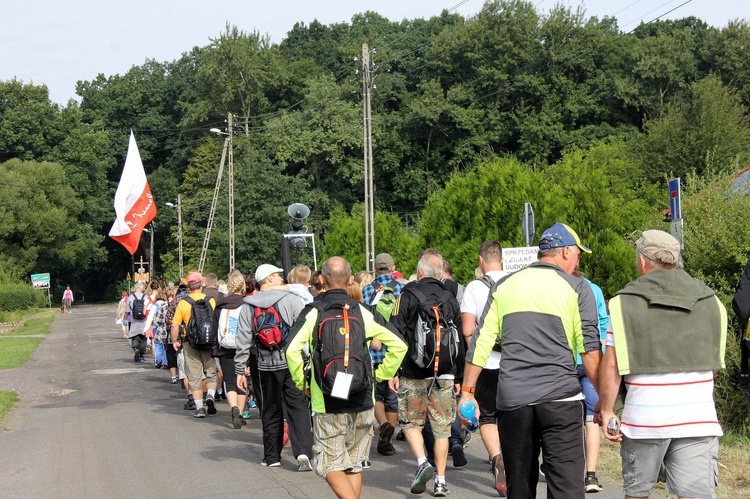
(298, 210)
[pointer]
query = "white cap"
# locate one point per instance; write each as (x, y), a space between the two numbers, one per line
(266, 270)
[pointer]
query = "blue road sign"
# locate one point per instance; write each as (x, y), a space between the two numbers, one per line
(675, 205)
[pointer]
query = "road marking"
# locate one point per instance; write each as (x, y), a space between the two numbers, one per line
(126, 370)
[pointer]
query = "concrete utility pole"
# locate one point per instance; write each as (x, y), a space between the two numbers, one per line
(228, 151)
(369, 194)
(179, 230)
(178, 207)
(152, 274)
(210, 223)
(230, 129)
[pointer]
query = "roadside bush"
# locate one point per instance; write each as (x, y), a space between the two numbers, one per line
(20, 297)
(717, 236)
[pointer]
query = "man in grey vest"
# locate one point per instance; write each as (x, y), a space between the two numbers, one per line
(667, 338)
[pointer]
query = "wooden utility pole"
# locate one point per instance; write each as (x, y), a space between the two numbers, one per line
(369, 195)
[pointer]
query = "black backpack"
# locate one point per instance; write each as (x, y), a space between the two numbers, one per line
(436, 340)
(199, 331)
(138, 310)
(341, 326)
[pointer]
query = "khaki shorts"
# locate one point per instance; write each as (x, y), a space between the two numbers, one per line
(342, 441)
(421, 398)
(196, 362)
(691, 465)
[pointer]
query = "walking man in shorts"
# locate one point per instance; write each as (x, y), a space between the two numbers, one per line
(429, 391)
(342, 427)
(668, 335)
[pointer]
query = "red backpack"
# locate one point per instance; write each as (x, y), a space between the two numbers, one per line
(269, 327)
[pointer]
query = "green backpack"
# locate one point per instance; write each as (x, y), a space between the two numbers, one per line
(387, 301)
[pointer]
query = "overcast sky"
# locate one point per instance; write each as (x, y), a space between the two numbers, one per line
(57, 42)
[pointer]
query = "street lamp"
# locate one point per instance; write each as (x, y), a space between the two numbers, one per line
(179, 228)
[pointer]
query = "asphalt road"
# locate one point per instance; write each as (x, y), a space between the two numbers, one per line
(92, 423)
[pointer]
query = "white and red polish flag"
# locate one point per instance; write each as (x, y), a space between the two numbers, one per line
(134, 204)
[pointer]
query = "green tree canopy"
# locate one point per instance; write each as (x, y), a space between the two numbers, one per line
(40, 225)
(346, 238)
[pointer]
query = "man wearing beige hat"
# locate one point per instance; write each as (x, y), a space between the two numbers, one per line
(667, 338)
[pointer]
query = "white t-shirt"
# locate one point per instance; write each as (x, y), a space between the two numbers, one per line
(474, 301)
(670, 405)
(300, 290)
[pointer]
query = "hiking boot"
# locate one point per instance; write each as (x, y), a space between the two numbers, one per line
(303, 463)
(592, 484)
(385, 446)
(211, 405)
(424, 474)
(200, 413)
(457, 453)
(441, 490)
(189, 405)
(237, 420)
(498, 474)
(387, 449)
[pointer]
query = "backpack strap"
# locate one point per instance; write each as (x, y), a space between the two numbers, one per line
(436, 311)
(487, 280)
(346, 335)
(443, 297)
(420, 296)
(225, 329)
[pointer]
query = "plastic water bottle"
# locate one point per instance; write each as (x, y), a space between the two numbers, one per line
(468, 411)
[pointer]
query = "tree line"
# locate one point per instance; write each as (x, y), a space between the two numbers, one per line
(509, 104)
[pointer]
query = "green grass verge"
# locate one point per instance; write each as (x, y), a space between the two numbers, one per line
(7, 399)
(36, 322)
(14, 352)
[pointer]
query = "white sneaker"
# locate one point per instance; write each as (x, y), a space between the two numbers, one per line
(303, 463)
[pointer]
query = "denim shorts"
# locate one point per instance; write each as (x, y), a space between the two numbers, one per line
(589, 392)
(691, 465)
(385, 396)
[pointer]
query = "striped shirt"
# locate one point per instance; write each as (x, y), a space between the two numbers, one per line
(671, 405)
